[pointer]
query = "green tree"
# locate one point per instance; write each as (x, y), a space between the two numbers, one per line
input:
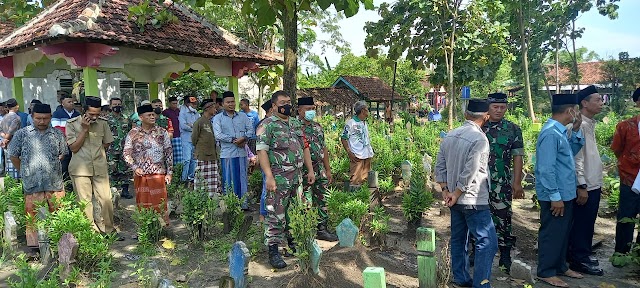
(464, 42)
(20, 11)
(624, 76)
(286, 13)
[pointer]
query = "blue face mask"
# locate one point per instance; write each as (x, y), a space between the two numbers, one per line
(309, 115)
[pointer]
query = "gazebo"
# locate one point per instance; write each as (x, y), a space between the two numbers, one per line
(371, 89)
(96, 38)
(331, 100)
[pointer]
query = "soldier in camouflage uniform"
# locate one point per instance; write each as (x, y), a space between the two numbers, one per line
(161, 120)
(316, 193)
(282, 149)
(507, 148)
(120, 125)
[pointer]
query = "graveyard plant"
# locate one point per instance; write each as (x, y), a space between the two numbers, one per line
(416, 200)
(233, 208)
(380, 222)
(149, 226)
(619, 259)
(28, 276)
(341, 205)
(303, 221)
(93, 248)
(199, 213)
(13, 200)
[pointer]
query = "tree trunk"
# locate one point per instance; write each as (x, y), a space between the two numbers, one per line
(452, 96)
(576, 75)
(290, 31)
(557, 63)
(525, 62)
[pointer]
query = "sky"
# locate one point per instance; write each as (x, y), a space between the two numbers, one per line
(604, 36)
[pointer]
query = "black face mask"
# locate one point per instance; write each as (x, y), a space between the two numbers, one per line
(117, 109)
(157, 110)
(285, 109)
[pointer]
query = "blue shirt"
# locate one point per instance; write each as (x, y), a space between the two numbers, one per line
(23, 119)
(555, 168)
(254, 117)
(227, 128)
(187, 117)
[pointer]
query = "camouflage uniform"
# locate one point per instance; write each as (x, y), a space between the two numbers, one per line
(119, 171)
(165, 123)
(284, 143)
(505, 141)
(318, 190)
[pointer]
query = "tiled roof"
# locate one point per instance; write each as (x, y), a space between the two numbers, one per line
(6, 28)
(106, 22)
(590, 73)
(329, 96)
(371, 88)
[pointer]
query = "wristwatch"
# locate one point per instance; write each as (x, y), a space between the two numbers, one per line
(583, 186)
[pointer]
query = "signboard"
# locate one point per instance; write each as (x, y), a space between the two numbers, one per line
(466, 92)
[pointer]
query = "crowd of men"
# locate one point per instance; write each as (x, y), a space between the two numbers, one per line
(99, 150)
(479, 169)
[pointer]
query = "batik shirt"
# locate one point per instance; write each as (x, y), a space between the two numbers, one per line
(149, 150)
(40, 154)
(285, 143)
(315, 136)
(505, 141)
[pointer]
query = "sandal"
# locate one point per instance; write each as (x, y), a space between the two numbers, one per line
(573, 274)
(554, 281)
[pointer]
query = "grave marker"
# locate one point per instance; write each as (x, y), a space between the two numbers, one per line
(239, 257)
(67, 251)
(374, 277)
(347, 233)
(426, 246)
(10, 231)
(316, 254)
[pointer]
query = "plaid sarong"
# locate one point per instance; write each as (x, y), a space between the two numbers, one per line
(207, 177)
(176, 143)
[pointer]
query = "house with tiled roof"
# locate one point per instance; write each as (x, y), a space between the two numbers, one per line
(591, 73)
(95, 41)
(332, 100)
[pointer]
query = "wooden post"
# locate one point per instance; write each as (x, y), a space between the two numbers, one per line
(233, 87)
(18, 92)
(153, 90)
(374, 277)
(426, 246)
(90, 81)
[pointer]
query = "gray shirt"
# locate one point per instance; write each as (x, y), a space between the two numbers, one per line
(463, 163)
(227, 128)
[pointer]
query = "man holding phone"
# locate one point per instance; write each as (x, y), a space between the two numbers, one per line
(88, 136)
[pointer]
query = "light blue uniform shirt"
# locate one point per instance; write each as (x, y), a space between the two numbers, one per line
(186, 118)
(555, 168)
(227, 128)
(253, 117)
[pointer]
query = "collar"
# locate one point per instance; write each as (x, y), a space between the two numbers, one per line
(32, 128)
(355, 117)
(473, 124)
(489, 123)
(224, 112)
(557, 125)
(588, 120)
(65, 110)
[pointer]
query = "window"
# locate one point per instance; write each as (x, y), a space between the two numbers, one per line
(132, 93)
(66, 85)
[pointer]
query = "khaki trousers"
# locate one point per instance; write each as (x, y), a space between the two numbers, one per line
(359, 170)
(86, 187)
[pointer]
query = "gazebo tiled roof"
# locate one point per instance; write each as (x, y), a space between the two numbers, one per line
(371, 88)
(105, 22)
(330, 96)
(590, 73)
(6, 28)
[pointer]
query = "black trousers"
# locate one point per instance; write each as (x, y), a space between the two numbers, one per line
(584, 220)
(629, 207)
(553, 240)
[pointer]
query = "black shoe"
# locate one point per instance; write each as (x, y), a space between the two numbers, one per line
(593, 261)
(456, 285)
(586, 268)
(289, 252)
(324, 234)
(505, 259)
(274, 257)
(126, 196)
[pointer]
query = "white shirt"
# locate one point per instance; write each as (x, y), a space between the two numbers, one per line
(357, 133)
(588, 162)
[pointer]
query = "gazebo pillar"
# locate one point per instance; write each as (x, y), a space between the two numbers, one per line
(153, 90)
(90, 81)
(233, 87)
(18, 91)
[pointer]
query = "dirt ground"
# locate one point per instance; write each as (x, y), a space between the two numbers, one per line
(342, 267)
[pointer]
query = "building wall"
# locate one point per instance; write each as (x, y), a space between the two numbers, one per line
(45, 89)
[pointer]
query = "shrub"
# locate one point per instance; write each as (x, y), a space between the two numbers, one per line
(13, 200)
(149, 226)
(303, 223)
(341, 205)
(93, 248)
(417, 199)
(199, 213)
(380, 222)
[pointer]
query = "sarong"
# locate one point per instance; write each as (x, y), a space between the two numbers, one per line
(151, 191)
(11, 171)
(29, 204)
(176, 144)
(234, 176)
(208, 177)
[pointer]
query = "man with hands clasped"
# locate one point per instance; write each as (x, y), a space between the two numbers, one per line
(556, 187)
(462, 172)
